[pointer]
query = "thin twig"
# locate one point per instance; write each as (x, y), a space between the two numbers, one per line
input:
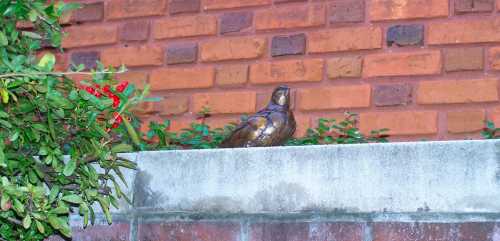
(57, 73)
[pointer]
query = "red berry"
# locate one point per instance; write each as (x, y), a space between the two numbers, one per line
(122, 86)
(97, 94)
(115, 125)
(106, 89)
(97, 86)
(90, 90)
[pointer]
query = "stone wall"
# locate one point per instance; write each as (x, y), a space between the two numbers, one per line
(422, 68)
(425, 191)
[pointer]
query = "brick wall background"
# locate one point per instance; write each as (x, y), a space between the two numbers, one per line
(426, 69)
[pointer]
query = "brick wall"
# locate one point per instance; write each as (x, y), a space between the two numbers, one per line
(426, 69)
(290, 230)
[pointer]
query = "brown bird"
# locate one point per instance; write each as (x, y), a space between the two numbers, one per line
(271, 126)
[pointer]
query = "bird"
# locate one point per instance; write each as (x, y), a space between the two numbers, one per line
(271, 126)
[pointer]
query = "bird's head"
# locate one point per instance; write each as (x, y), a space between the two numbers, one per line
(281, 96)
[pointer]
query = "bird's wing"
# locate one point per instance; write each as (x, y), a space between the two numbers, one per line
(246, 132)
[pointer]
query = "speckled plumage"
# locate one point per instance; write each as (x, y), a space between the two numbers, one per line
(271, 126)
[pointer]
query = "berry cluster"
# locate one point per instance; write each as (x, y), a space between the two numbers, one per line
(98, 92)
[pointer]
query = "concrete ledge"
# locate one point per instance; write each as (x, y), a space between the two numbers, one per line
(442, 177)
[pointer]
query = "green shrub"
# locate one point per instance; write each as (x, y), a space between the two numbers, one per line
(44, 116)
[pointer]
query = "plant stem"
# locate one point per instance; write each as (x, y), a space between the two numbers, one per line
(34, 74)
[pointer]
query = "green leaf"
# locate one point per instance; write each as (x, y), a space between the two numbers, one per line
(70, 167)
(27, 222)
(121, 148)
(131, 131)
(18, 206)
(47, 62)
(53, 193)
(73, 198)
(3, 39)
(40, 226)
(54, 222)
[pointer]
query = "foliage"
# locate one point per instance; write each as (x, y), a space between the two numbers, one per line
(201, 136)
(490, 131)
(331, 131)
(44, 115)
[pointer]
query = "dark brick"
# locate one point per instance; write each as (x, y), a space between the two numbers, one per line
(288, 1)
(391, 95)
(288, 45)
(473, 6)
(279, 232)
(135, 31)
(235, 22)
(336, 231)
(180, 231)
(475, 231)
(412, 231)
(89, 59)
(347, 11)
(89, 12)
(463, 59)
(406, 35)
(182, 53)
(115, 232)
(183, 6)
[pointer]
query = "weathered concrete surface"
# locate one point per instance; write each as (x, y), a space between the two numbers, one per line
(444, 177)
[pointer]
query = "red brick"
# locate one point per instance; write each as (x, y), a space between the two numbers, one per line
(175, 126)
(308, 70)
(138, 78)
(464, 31)
(190, 231)
(231, 75)
(220, 122)
(494, 58)
(173, 105)
(303, 124)
(475, 231)
(400, 123)
(473, 6)
(135, 31)
(400, 64)
(336, 231)
(118, 9)
(133, 56)
(145, 109)
(465, 121)
(494, 116)
(346, 11)
(279, 231)
(225, 103)
(457, 91)
(345, 39)
(288, 1)
(233, 48)
(392, 94)
(407, 9)
(185, 78)
(184, 6)
(344, 67)
(89, 12)
(460, 59)
(83, 36)
(185, 26)
(290, 17)
(338, 97)
(225, 4)
(412, 231)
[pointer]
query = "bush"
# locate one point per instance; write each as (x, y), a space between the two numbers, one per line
(44, 116)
